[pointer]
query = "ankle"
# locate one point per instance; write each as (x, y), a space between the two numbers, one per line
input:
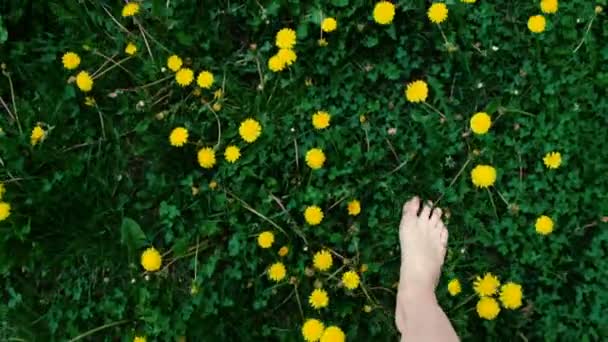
(412, 292)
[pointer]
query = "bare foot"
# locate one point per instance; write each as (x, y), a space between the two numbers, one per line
(423, 240)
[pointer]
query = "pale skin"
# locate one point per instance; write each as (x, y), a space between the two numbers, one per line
(423, 238)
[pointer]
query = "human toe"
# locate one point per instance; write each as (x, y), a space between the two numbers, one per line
(436, 216)
(425, 214)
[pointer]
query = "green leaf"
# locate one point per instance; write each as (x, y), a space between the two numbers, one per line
(180, 247)
(340, 3)
(131, 235)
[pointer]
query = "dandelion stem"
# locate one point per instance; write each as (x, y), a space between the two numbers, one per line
(145, 40)
(161, 98)
(468, 299)
(502, 198)
(116, 64)
(285, 301)
(16, 117)
(337, 202)
(6, 108)
(257, 62)
(389, 145)
(434, 109)
(107, 60)
(196, 260)
(295, 145)
(148, 84)
(155, 40)
(336, 254)
(382, 288)
(367, 294)
(219, 126)
(585, 35)
(114, 19)
(333, 275)
(507, 110)
(295, 287)
(103, 128)
(454, 179)
(366, 139)
(248, 207)
(92, 331)
(445, 39)
(492, 201)
(182, 256)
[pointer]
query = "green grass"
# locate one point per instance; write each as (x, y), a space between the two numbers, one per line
(90, 198)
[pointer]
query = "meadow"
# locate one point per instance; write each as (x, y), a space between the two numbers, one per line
(179, 170)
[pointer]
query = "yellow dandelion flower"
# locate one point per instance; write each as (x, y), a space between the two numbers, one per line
(483, 176)
(468, 1)
(552, 160)
(548, 6)
(286, 38)
(205, 79)
(320, 119)
(329, 25)
(277, 272)
(315, 158)
(130, 9)
(416, 91)
(367, 308)
(70, 60)
(287, 56)
(250, 130)
(265, 239)
(487, 308)
(217, 106)
(276, 64)
(481, 123)
(84, 81)
(438, 12)
(486, 286)
(537, 23)
(206, 157)
(333, 334)
(598, 9)
(354, 208)
(218, 94)
(174, 63)
(362, 119)
(544, 225)
(318, 299)
(364, 268)
(139, 339)
(384, 12)
(510, 295)
(213, 185)
(178, 137)
(454, 287)
(313, 215)
(184, 77)
(232, 154)
(350, 280)
(151, 260)
(312, 330)
(5, 210)
(131, 49)
(322, 260)
(37, 135)
(283, 251)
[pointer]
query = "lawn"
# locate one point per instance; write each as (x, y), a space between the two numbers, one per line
(235, 170)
